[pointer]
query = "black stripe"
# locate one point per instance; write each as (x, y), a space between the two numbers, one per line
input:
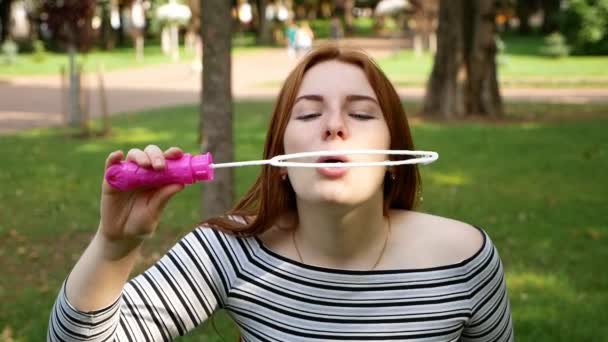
(351, 319)
(210, 284)
(256, 317)
(200, 236)
(176, 321)
(379, 272)
(152, 309)
(89, 325)
(124, 328)
(176, 291)
(75, 334)
(380, 288)
(138, 319)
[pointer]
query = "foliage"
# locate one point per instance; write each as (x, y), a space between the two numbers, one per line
(555, 46)
(585, 23)
(39, 54)
(69, 21)
(9, 52)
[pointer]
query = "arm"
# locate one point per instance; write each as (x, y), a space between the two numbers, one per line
(89, 299)
(491, 311)
(170, 299)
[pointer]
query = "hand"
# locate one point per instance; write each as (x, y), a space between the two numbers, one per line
(127, 217)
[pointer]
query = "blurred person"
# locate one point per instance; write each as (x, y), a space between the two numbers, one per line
(304, 39)
(336, 31)
(307, 254)
(291, 32)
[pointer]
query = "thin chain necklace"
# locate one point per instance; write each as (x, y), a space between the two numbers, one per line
(293, 238)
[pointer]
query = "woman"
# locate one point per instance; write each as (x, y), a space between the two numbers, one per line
(307, 254)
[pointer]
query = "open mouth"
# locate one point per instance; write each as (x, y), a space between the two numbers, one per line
(332, 159)
(332, 172)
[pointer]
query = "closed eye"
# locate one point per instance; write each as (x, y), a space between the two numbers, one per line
(359, 116)
(307, 117)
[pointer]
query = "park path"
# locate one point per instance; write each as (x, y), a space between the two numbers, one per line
(31, 102)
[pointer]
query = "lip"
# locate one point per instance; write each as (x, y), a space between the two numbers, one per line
(332, 172)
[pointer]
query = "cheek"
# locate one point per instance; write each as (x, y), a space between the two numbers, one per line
(377, 138)
(296, 139)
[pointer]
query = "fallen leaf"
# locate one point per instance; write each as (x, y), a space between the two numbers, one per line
(594, 234)
(34, 255)
(522, 217)
(7, 334)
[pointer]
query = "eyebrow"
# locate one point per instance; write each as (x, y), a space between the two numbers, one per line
(349, 98)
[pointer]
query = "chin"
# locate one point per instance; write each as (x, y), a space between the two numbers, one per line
(348, 191)
(338, 195)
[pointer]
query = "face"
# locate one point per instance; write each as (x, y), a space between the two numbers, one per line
(336, 109)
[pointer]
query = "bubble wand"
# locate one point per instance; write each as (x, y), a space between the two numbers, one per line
(188, 169)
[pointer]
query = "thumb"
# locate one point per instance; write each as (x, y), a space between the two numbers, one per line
(163, 195)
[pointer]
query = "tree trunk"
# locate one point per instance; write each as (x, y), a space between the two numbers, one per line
(349, 5)
(551, 10)
(264, 34)
(5, 19)
(523, 10)
(216, 103)
(75, 112)
(482, 96)
(464, 78)
(106, 41)
(121, 33)
(444, 89)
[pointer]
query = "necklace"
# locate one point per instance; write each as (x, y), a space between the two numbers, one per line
(388, 233)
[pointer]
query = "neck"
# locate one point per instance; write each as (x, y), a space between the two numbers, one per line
(346, 238)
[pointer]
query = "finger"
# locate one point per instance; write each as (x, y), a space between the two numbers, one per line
(174, 153)
(113, 158)
(160, 199)
(155, 154)
(139, 157)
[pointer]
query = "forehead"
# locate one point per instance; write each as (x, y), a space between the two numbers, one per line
(334, 78)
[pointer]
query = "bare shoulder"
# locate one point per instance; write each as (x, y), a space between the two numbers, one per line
(437, 240)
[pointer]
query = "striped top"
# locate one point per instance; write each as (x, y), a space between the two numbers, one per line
(273, 298)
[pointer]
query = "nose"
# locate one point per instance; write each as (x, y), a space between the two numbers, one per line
(335, 127)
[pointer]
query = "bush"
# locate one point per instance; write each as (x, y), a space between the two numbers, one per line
(585, 23)
(555, 46)
(9, 52)
(39, 55)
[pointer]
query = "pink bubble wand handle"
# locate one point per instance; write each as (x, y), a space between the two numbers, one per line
(127, 175)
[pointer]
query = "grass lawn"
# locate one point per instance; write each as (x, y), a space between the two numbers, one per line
(538, 187)
(119, 58)
(521, 65)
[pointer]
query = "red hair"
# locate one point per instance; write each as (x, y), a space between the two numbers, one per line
(270, 198)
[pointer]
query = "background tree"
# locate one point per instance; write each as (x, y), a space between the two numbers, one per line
(585, 24)
(5, 19)
(264, 27)
(69, 21)
(551, 14)
(464, 78)
(216, 102)
(524, 10)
